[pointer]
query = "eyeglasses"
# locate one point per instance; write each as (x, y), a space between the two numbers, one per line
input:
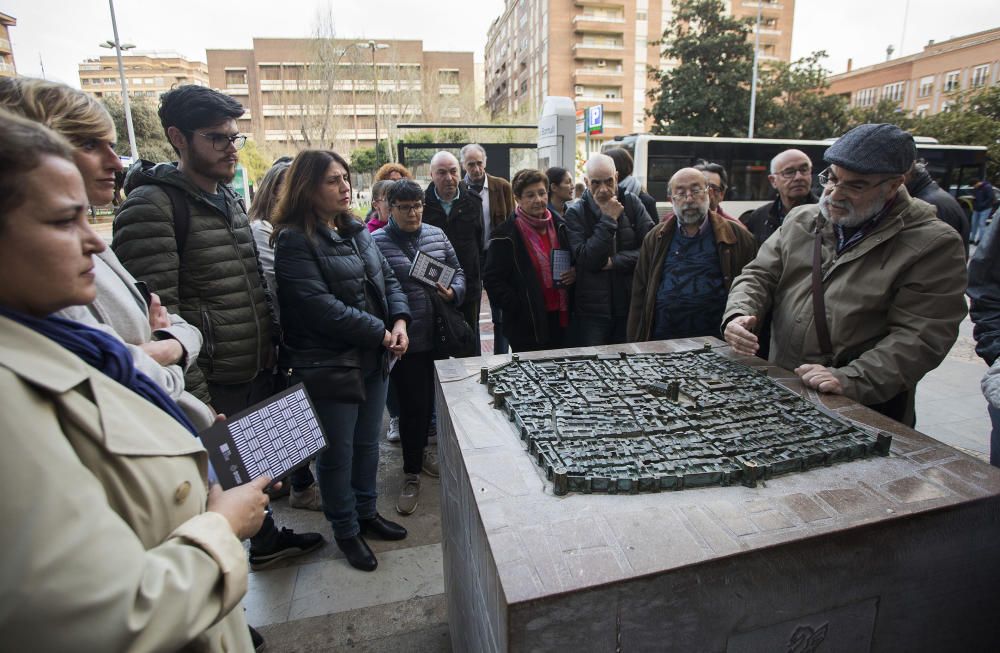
(222, 141)
(409, 208)
(830, 182)
(789, 173)
(715, 187)
(694, 193)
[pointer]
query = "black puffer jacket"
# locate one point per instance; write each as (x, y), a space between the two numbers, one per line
(322, 291)
(431, 241)
(923, 187)
(464, 228)
(593, 238)
(513, 285)
(984, 291)
(214, 284)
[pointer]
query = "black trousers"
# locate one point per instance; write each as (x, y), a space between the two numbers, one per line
(413, 376)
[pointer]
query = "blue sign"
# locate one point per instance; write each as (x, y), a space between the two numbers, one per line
(595, 119)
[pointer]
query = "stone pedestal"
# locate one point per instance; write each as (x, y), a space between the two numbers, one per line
(883, 554)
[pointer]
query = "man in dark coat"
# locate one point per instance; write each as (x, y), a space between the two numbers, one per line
(921, 186)
(984, 309)
(791, 177)
(451, 206)
(605, 229)
(207, 269)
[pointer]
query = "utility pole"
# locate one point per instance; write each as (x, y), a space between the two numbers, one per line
(121, 73)
(753, 82)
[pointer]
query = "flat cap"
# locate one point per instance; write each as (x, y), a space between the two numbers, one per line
(873, 149)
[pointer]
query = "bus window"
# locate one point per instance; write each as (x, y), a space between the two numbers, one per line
(661, 169)
(748, 180)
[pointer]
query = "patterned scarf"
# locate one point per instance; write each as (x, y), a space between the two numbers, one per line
(556, 299)
(104, 353)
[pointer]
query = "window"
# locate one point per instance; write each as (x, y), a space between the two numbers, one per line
(926, 86)
(893, 92)
(236, 77)
(866, 97)
(922, 110)
(980, 74)
(951, 81)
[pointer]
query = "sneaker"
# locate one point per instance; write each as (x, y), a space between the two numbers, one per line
(409, 495)
(287, 544)
(257, 639)
(430, 466)
(307, 499)
(392, 435)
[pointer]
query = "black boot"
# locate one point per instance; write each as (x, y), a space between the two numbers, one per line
(382, 528)
(358, 553)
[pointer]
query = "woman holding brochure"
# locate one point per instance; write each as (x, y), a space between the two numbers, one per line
(121, 546)
(400, 241)
(519, 269)
(343, 313)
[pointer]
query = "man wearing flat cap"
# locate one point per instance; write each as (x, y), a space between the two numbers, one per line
(866, 287)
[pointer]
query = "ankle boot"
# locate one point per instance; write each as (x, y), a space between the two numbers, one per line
(359, 555)
(382, 528)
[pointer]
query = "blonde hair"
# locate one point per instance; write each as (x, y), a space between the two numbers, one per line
(74, 114)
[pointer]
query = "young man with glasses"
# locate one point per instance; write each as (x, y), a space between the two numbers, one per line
(605, 230)
(865, 288)
(791, 178)
(184, 232)
(686, 265)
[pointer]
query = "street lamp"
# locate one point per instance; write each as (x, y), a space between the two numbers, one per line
(373, 46)
(118, 47)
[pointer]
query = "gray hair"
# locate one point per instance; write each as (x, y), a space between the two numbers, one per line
(597, 159)
(469, 148)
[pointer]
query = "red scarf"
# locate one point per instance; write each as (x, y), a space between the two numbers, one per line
(539, 249)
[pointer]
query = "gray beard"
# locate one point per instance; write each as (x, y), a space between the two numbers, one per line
(855, 217)
(688, 217)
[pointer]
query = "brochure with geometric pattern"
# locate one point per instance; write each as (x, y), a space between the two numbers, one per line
(270, 438)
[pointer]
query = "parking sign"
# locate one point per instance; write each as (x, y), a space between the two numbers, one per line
(595, 119)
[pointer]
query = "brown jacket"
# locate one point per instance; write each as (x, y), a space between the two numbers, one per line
(736, 248)
(893, 302)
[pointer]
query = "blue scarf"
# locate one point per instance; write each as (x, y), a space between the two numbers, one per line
(102, 352)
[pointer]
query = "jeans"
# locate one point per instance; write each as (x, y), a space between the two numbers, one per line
(978, 224)
(994, 435)
(346, 469)
(414, 371)
(591, 330)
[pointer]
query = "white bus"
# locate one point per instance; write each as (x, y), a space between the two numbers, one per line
(747, 162)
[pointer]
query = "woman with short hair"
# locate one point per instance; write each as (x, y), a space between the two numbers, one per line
(518, 273)
(342, 314)
(400, 240)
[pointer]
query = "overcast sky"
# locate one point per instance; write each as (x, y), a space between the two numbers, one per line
(64, 32)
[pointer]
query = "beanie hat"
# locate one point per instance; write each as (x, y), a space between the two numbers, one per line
(873, 149)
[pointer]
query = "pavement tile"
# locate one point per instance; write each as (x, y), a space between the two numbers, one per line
(334, 586)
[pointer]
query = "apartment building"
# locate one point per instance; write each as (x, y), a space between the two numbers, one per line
(323, 92)
(147, 73)
(598, 52)
(920, 83)
(7, 68)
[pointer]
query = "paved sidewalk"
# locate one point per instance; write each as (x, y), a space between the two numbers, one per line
(318, 603)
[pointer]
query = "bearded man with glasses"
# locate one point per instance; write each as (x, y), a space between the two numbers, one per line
(184, 231)
(865, 288)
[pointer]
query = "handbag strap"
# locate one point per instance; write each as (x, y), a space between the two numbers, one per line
(819, 306)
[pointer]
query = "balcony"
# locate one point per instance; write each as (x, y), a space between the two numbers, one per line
(597, 50)
(765, 7)
(7, 70)
(5, 46)
(598, 24)
(596, 76)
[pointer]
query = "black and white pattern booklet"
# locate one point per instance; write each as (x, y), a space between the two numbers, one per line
(430, 271)
(270, 438)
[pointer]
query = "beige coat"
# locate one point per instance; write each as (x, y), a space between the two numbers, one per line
(893, 302)
(109, 545)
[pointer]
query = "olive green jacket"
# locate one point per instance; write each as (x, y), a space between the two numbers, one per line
(214, 284)
(893, 302)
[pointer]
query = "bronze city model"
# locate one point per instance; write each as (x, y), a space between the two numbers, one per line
(628, 423)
